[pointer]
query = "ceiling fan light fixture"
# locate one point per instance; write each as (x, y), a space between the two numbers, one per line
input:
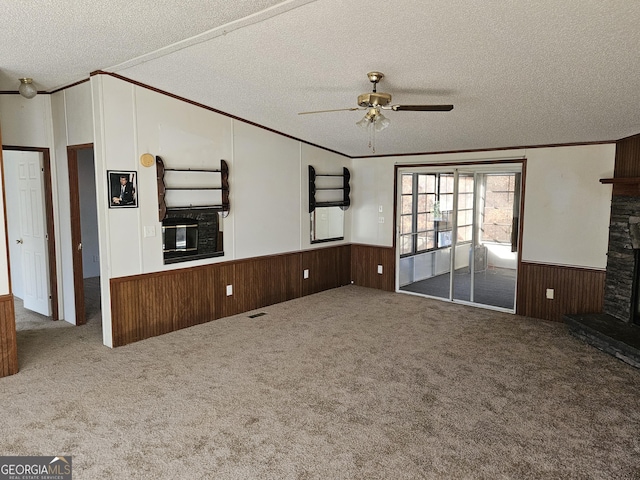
(368, 118)
(26, 88)
(363, 123)
(381, 122)
(373, 121)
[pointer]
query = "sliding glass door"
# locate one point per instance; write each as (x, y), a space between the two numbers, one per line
(464, 262)
(458, 232)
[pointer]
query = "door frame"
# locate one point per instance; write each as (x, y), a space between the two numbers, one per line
(76, 231)
(49, 219)
(460, 165)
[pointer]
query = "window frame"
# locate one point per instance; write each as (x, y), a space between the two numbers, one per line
(511, 195)
(439, 227)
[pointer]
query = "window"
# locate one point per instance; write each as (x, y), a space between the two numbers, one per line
(417, 223)
(465, 207)
(500, 194)
(426, 219)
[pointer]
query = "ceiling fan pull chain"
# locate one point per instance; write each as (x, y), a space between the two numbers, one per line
(372, 137)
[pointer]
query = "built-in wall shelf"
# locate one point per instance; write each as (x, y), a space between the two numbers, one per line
(341, 192)
(623, 186)
(621, 180)
(223, 206)
(191, 223)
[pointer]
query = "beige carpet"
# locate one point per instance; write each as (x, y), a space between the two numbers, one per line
(349, 383)
(29, 320)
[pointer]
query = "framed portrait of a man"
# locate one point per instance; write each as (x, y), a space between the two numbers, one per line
(123, 191)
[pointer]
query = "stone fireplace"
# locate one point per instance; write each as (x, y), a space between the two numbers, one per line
(621, 285)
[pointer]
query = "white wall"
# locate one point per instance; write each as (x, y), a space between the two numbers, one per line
(26, 123)
(266, 182)
(78, 114)
(500, 255)
(371, 190)
(72, 118)
(567, 209)
(566, 218)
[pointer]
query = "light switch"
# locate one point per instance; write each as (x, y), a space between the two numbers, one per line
(305, 274)
(379, 269)
(229, 290)
(550, 293)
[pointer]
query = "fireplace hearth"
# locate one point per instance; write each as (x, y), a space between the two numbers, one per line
(607, 333)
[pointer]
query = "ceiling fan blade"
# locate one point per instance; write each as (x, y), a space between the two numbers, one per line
(422, 108)
(334, 110)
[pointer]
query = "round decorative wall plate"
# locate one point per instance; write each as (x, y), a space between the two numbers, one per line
(146, 159)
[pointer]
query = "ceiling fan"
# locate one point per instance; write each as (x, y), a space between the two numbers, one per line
(376, 101)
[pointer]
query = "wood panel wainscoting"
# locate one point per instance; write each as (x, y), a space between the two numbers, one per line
(576, 290)
(8, 345)
(144, 306)
(268, 280)
(332, 267)
(365, 260)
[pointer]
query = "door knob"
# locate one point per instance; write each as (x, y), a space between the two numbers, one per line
(19, 241)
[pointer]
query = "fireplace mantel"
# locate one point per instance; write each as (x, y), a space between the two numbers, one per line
(627, 180)
(629, 186)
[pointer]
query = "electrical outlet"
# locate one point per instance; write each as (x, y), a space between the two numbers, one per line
(305, 274)
(550, 293)
(379, 269)
(149, 231)
(380, 219)
(229, 290)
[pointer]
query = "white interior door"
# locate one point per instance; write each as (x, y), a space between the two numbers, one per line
(33, 233)
(14, 233)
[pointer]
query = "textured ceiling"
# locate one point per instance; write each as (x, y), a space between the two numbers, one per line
(518, 73)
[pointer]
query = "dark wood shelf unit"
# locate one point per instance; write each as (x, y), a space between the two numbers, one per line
(343, 202)
(223, 207)
(621, 180)
(194, 170)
